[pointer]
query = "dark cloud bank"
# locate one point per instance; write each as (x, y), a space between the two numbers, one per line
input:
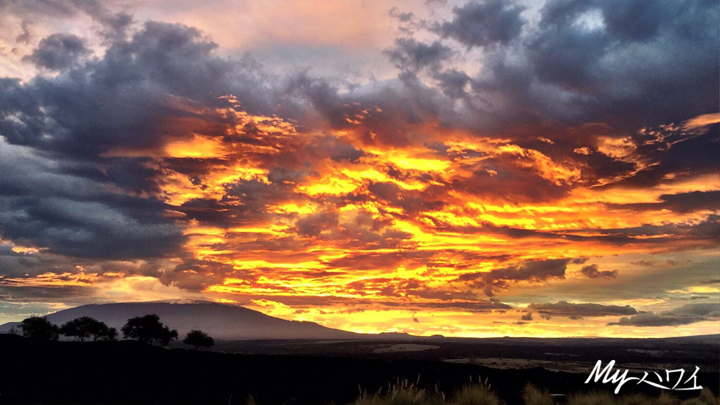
(684, 315)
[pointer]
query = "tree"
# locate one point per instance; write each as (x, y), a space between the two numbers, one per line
(198, 339)
(85, 327)
(111, 335)
(78, 328)
(39, 328)
(166, 336)
(148, 329)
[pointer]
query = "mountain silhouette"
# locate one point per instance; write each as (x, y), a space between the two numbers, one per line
(221, 321)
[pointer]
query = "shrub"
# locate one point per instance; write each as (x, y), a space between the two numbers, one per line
(707, 397)
(593, 398)
(475, 394)
(535, 396)
(198, 339)
(666, 399)
(402, 393)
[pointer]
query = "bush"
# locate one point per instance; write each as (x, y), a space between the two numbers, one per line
(535, 396)
(402, 393)
(707, 397)
(593, 398)
(476, 394)
(198, 339)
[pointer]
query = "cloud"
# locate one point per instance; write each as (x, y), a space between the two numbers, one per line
(49, 203)
(684, 315)
(580, 310)
(484, 23)
(595, 61)
(142, 93)
(535, 271)
(413, 56)
(58, 51)
(592, 271)
(502, 144)
(681, 202)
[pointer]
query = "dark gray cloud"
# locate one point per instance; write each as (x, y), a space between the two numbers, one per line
(58, 51)
(49, 203)
(535, 271)
(599, 65)
(74, 294)
(313, 225)
(580, 310)
(681, 203)
(114, 23)
(60, 191)
(708, 230)
(596, 61)
(592, 271)
(413, 56)
(684, 158)
(684, 315)
(133, 98)
(484, 23)
(196, 275)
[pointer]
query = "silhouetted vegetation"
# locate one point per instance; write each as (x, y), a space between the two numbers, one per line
(149, 329)
(405, 393)
(87, 327)
(536, 396)
(198, 339)
(229, 378)
(39, 328)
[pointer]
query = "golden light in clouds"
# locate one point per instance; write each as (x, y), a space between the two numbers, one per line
(372, 239)
(360, 244)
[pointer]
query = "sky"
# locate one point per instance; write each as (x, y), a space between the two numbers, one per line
(474, 169)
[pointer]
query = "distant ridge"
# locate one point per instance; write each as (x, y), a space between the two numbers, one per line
(234, 322)
(222, 321)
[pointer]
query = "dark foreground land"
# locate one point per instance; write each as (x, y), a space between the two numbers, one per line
(324, 372)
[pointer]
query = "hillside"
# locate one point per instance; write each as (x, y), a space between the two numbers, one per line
(222, 321)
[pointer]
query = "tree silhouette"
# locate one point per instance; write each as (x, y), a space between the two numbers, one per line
(166, 336)
(111, 335)
(85, 327)
(37, 327)
(198, 339)
(148, 329)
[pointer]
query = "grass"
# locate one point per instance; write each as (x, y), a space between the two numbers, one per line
(406, 393)
(536, 396)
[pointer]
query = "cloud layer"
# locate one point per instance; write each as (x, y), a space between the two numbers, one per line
(508, 146)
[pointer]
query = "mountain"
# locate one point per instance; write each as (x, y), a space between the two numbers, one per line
(221, 321)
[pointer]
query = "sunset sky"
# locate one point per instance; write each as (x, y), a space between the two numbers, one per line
(489, 168)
